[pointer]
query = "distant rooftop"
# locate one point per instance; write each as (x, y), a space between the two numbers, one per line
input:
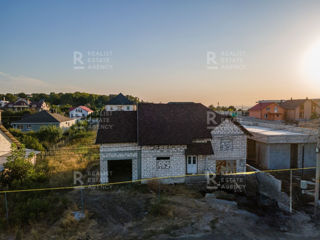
(43, 117)
(120, 99)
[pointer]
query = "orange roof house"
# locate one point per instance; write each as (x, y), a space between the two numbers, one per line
(267, 111)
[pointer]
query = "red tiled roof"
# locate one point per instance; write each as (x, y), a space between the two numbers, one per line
(260, 106)
(83, 107)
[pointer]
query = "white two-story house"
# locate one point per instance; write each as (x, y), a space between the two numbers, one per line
(80, 112)
(120, 103)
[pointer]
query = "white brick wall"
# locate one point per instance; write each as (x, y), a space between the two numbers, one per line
(206, 163)
(5, 148)
(119, 152)
(177, 162)
(226, 130)
(229, 131)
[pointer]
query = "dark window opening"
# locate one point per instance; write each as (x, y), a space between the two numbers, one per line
(163, 158)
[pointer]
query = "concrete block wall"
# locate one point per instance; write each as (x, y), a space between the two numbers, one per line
(206, 163)
(121, 151)
(310, 156)
(279, 156)
(149, 160)
(228, 131)
(262, 155)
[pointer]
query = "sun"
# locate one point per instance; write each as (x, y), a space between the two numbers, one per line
(311, 62)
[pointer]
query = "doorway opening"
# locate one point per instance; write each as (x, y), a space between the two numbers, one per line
(120, 170)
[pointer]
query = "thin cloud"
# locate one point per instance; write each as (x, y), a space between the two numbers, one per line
(20, 83)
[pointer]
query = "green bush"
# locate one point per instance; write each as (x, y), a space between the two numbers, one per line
(25, 207)
(29, 139)
(78, 131)
(314, 115)
(32, 143)
(16, 133)
(50, 134)
(17, 168)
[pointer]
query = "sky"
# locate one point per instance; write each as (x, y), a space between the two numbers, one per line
(226, 52)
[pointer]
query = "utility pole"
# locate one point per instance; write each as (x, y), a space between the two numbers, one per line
(316, 193)
(290, 191)
(6, 203)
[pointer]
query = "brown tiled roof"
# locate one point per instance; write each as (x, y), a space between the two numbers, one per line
(120, 99)
(159, 124)
(9, 135)
(173, 123)
(292, 104)
(117, 127)
(199, 149)
(43, 117)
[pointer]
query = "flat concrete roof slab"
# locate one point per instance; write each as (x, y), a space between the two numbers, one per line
(270, 131)
(270, 135)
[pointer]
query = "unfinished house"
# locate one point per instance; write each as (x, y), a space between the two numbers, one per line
(300, 109)
(276, 146)
(169, 141)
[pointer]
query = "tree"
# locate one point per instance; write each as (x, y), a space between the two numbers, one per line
(231, 108)
(51, 134)
(32, 143)
(22, 95)
(17, 168)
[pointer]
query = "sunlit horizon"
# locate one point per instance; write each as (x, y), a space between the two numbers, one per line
(160, 49)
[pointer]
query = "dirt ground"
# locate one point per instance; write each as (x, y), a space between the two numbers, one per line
(178, 212)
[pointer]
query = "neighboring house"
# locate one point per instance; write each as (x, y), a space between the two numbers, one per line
(6, 140)
(80, 112)
(277, 146)
(168, 140)
(25, 104)
(120, 103)
(300, 109)
(267, 111)
(34, 122)
(19, 105)
(40, 106)
(3, 102)
(290, 110)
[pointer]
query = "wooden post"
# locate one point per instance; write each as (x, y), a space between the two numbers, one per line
(290, 191)
(316, 193)
(6, 203)
(82, 201)
(159, 190)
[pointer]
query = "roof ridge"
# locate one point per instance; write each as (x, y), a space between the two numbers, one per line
(51, 114)
(9, 135)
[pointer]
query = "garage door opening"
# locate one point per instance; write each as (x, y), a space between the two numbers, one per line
(120, 170)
